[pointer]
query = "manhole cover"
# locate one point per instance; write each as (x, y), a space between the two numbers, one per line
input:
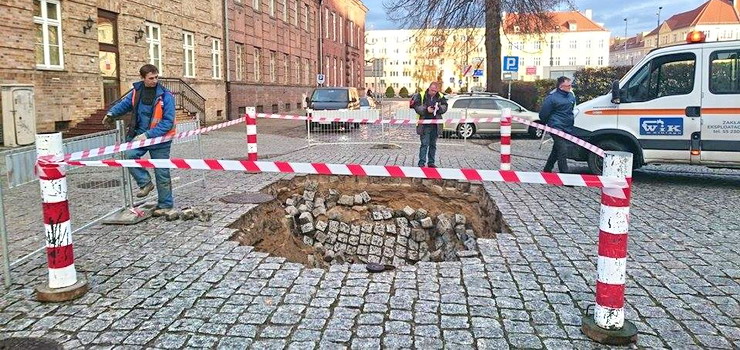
(100, 184)
(29, 344)
(247, 198)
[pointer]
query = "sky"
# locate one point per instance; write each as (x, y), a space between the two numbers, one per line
(641, 14)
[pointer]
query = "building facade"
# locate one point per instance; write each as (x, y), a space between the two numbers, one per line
(80, 56)
(718, 19)
(405, 59)
(628, 52)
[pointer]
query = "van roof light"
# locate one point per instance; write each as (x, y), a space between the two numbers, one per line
(695, 37)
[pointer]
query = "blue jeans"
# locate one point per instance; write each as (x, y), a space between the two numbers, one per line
(428, 144)
(162, 176)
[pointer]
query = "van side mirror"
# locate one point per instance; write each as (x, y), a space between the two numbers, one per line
(616, 98)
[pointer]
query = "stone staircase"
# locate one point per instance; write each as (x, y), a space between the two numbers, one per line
(94, 123)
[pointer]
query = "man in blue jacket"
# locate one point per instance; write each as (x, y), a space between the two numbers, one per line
(557, 112)
(429, 104)
(153, 109)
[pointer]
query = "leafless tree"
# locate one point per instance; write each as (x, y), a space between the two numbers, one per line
(435, 17)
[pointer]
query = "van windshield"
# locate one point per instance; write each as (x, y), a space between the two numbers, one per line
(330, 95)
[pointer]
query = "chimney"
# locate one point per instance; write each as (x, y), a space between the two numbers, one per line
(588, 12)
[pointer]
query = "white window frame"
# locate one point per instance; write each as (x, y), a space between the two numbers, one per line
(297, 63)
(188, 70)
(334, 26)
(256, 4)
(216, 58)
(326, 23)
(351, 33)
(588, 44)
(306, 71)
(273, 75)
(537, 61)
(154, 42)
(272, 8)
(588, 60)
(341, 31)
(351, 73)
(537, 45)
(286, 69)
(257, 64)
(573, 44)
(341, 74)
(571, 61)
(45, 23)
(306, 12)
(295, 13)
(557, 61)
(239, 49)
(600, 61)
(285, 11)
(335, 72)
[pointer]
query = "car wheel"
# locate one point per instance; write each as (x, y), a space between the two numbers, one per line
(465, 131)
(596, 163)
(534, 132)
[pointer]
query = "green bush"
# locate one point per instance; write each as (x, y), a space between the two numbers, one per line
(404, 92)
(448, 90)
(593, 82)
(389, 92)
(529, 94)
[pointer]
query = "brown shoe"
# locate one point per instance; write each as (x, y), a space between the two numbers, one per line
(144, 191)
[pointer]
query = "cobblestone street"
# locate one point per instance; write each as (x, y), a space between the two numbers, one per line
(183, 284)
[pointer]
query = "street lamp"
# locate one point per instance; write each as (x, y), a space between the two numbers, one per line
(625, 39)
(657, 41)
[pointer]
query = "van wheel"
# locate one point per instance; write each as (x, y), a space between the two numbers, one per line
(465, 131)
(596, 163)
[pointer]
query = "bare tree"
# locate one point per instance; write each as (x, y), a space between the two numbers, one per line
(435, 18)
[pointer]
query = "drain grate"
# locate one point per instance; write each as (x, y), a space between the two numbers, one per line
(247, 198)
(29, 344)
(100, 184)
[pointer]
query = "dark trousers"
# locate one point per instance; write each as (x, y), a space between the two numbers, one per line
(428, 147)
(559, 153)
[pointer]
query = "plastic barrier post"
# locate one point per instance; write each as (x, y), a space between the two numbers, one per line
(506, 139)
(607, 325)
(251, 134)
(63, 284)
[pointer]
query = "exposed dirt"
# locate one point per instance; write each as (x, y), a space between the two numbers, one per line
(268, 229)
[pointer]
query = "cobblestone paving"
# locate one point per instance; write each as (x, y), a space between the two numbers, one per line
(184, 285)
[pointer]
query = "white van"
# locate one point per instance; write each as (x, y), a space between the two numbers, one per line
(680, 104)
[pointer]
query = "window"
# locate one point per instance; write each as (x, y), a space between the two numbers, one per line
(351, 33)
(537, 44)
(47, 20)
(295, 13)
(600, 61)
(483, 103)
(601, 43)
(272, 67)
(188, 47)
(668, 75)
(306, 71)
(557, 44)
(557, 61)
(306, 11)
(462, 103)
(508, 104)
(272, 8)
(536, 61)
(257, 64)
(571, 61)
(326, 23)
(286, 69)
(153, 39)
(588, 60)
(285, 11)
(297, 69)
(334, 75)
(334, 26)
(341, 30)
(239, 61)
(724, 72)
(216, 58)
(573, 44)
(588, 44)
(341, 74)
(256, 4)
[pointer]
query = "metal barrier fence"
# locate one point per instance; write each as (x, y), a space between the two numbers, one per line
(94, 193)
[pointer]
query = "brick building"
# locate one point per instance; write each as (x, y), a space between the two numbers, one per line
(276, 48)
(80, 55)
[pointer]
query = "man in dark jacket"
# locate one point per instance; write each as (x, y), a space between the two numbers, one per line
(430, 104)
(557, 112)
(154, 115)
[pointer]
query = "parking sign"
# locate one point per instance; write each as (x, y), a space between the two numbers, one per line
(511, 63)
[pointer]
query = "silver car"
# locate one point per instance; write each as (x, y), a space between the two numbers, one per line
(486, 106)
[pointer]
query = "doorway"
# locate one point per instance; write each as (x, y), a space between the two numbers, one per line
(108, 56)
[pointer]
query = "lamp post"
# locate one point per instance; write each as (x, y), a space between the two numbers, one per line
(625, 39)
(657, 41)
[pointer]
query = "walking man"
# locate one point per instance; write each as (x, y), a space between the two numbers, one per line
(557, 112)
(429, 104)
(153, 108)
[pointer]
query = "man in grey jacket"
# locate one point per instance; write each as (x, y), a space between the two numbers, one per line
(429, 104)
(557, 112)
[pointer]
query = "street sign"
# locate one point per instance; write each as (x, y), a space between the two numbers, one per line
(531, 70)
(320, 79)
(478, 73)
(511, 63)
(468, 70)
(508, 76)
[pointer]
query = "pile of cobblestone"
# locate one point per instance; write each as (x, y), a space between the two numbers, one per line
(384, 236)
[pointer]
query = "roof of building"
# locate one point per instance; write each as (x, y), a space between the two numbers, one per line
(567, 21)
(710, 12)
(634, 42)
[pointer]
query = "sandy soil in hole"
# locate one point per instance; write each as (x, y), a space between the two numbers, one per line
(267, 229)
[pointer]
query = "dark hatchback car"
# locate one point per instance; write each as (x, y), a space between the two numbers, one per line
(333, 98)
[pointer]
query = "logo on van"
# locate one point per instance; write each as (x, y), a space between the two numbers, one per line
(661, 126)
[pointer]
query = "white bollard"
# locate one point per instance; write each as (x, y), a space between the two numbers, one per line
(63, 283)
(506, 139)
(251, 134)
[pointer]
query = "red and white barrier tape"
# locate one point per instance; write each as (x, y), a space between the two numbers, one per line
(556, 179)
(102, 151)
(569, 137)
(380, 121)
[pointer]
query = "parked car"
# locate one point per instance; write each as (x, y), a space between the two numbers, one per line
(367, 103)
(334, 98)
(487, 105)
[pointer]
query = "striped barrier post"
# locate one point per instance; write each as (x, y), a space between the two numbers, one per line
(63, 283)
(506, 139)
(607, 325)
(251, 133)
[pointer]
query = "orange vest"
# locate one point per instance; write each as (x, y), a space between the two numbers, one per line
(156, 115)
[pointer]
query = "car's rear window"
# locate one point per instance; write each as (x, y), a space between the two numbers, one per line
(330, 95)
(464, 103)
